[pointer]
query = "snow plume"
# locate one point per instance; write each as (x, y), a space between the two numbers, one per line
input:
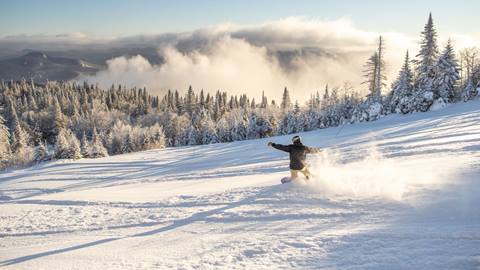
(374, 175)
(302, 54)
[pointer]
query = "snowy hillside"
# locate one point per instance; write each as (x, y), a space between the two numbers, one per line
(398, 193)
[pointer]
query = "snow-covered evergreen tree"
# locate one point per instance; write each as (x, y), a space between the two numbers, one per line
(5, 150)
(207, 132)
(447, 75)
(470, 91)
(61, 145)
(40, 153)
(263, 127)
(191, 135)
(288, 125)
(238, 125)
(97, 150)
(59, 121)
(223, 130)
(286, 102)
(18, 135)
(190, 101)
(425, 67)
(74, 145)
(401, 100)
(129, 145)
(157, 140)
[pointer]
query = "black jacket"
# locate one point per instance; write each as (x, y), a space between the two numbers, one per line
(298, 154)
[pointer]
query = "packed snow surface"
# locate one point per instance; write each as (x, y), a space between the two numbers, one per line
(402, 192)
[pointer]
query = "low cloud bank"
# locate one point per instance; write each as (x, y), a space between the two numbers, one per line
(300, 53)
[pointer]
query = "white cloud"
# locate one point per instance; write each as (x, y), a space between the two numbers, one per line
(300, 53)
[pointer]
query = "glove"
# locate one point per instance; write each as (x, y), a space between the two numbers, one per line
(269, 143)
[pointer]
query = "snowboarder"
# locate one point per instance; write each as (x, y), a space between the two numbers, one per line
(298, 155)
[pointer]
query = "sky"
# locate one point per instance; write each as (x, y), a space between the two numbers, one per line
(120, 18)
(243, 46)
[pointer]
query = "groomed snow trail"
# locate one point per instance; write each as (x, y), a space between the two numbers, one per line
(398, 193)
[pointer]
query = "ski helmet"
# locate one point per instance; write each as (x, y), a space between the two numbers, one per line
(297, 139)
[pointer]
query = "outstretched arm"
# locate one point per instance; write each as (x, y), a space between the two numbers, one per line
(279, 146)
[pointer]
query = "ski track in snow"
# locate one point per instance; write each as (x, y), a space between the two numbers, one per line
(398, 193)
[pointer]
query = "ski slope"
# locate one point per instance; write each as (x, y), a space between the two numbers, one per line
(398, 193)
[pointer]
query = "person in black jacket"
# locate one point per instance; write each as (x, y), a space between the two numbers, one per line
(298, 155)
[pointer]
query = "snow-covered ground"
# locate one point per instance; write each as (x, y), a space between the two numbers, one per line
(399, 193)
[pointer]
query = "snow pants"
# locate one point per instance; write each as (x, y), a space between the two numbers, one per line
(304, 171)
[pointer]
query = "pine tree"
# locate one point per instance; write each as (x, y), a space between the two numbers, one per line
(326, 98)
(97, 150)
(145, 140)
(158, 136)
(288, 125)
(209, 132)
(129, 145)
(40, 153)
(191, 136)
(427, 56)
(18, 138)
(425, 68)
(263, 127)
(59, 119)
(84, 146)
(61, 145)
(264, 102)
(296, 108)
(223, 130)
(470, 91)
(18, 135)
(73, 150)
(190, 101)
(447, 74)
(286, 103)
(402, 89)
(5, 150)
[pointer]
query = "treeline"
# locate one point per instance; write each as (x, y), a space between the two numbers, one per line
(432, 80)
(68, 120)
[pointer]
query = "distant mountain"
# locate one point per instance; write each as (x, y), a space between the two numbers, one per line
(42, 67)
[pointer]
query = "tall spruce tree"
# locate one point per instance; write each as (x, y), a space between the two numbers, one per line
(402, 89)
(97, 150)
(40, 153)
(59, 121)
(5, 149)
(427, 56)
(84, 146)
(286, 102)
(190, 101)
(18, 136)
(61, 145)
(447, 75)
(425, 69)
(469, 91)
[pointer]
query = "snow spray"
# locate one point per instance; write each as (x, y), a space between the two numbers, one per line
(367, 173)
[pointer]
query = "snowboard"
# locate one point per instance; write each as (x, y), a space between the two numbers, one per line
(286, 180)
